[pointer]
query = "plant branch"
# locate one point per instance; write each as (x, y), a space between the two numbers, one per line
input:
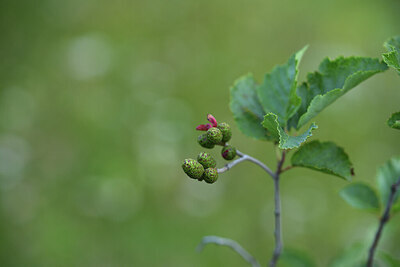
(278, 230)
(244, 157)
(384, 219)
(229, 243)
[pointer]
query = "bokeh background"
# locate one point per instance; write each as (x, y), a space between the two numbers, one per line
(98, 105)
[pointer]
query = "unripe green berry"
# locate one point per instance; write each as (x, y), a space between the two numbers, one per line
(193, 168)
(210, 175)
(225, 130)
(203, 141)
(206, 160)
(228, 152)
(214, 135)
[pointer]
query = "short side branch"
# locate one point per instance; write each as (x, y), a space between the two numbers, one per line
(243, 157)
(229, 243)
(384, 219)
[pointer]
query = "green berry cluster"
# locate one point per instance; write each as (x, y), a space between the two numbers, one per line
(201, 169)
(204, 168)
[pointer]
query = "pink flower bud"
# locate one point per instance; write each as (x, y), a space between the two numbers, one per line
(211, 119)
(203, 127)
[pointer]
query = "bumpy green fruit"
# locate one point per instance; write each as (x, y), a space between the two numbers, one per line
(214, 135)
(225, 130)
(193, 168)
(206, 160)
(228, 152)
(210, 175)
(203, 141)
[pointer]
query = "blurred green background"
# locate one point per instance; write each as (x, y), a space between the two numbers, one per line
(98, 105)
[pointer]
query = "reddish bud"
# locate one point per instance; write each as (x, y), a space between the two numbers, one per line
(203, 127)
(211, 119)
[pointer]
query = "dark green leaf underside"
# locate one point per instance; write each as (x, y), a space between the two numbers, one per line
(326, 157)
(360, 196)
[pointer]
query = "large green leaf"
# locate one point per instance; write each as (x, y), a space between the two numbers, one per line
(333, 80)
(387, 175)
(394, 121)
(278, 134)
(295, 258)
(277, 93)
(246, 108)
(360, 196)
(326, 157)
(392, 57)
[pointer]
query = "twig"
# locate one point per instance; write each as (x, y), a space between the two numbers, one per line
(278, 230)
(384, 219)
(244, 157)
(229, 243)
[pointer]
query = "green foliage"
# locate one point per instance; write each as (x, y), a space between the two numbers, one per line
(392, 57)
(353, 256)
(246, 108)
(285, 141)
(361, 196)
(334, 79)
(277, 93)
(326, 157)
(388, 259)
(295, 258)
(394, 121)
(387, 175)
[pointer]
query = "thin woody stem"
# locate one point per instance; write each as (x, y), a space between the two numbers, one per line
(244, 157)
(278, 229)
(384, 219)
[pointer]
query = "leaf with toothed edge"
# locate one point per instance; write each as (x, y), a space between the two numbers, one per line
(246, 108)
(392, 57)
(334, 79)
(394, 121)
(326, 157)
(278, 134)
(277, 93)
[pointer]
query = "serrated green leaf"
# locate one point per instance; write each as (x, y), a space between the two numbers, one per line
(360, 196)
(334, 79)
(326, 157)
(246, 108)
(394, 121)
(295, 258)
(387, 175)
(392, 58)
(277, 93)
(278, 134)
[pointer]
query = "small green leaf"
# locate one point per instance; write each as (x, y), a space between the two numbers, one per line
(394, 121)
(387, 175)
(360, 196)
(392, 57)
(278, 134)
(326, 157)
(295, 258)
(246, 108)
(334, 79)
(388, 259)
(277, 93)
(353, 256)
